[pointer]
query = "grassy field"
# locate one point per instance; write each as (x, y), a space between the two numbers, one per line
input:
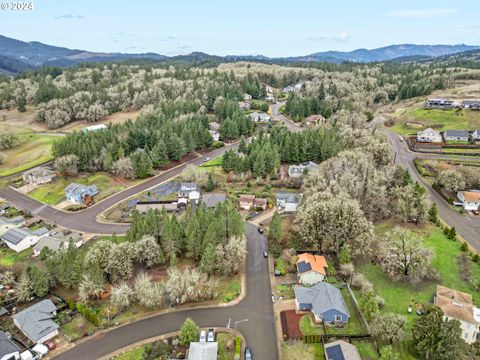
(133, 354)
(213, 162)
(53, 194)
(399, 295)
(366, 349)
(9, 257)
(437, 119)
(77, 328)
(355, 325)
(297, 350)
(230, 290)
(34, 149)
(308, 327)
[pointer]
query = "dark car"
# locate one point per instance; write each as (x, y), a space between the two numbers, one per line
(265, 254)
(260, 230)
(248, 354)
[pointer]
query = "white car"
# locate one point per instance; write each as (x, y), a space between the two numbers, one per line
(203, 336)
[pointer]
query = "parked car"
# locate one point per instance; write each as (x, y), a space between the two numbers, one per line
(248, 354)
(273, 298)
(260, 230)
(277, 273)
(265, 253)
(475, 212)
(206, 159)
(50, 345)
(211, 335)
(203, 336)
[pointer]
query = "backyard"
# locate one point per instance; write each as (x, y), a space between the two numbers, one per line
(9, 257)
(53, 193)
(414, 119)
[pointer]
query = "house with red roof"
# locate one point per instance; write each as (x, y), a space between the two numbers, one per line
(311, 269)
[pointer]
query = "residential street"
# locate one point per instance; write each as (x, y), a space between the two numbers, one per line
(259, 330)
(466, 226)
(276, 115)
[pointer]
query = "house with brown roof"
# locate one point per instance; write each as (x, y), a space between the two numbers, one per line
(247, 201)
(311, 269)
(470, 199)
(458, 305)
(260, 203)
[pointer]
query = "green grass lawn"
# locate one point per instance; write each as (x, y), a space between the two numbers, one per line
(355, 325)
(33, 150)
(230, 290)
(53, 194)
(8, 257)
(133, 354)
(77, 328)
(367, 350)
(213, 162)
(398, 295)
(226, 346)
(286, 291)
(308, 327)
(438, 119)
(299, 350)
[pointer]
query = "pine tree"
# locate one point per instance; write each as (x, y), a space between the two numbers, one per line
(210, 183)
(275, 234)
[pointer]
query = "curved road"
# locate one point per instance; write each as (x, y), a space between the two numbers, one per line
(259, 329)
(468, 227)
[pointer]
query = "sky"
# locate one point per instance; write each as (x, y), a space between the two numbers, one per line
(242, 27)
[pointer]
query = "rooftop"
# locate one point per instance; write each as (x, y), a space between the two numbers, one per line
(456, 304)
(36, 321)
(341, 350)
(14, 236)
(307, 262)
(471, 196)
(203, 351)
(7, 346)
(323, 297)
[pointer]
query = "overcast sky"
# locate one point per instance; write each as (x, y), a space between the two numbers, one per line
(243, 27)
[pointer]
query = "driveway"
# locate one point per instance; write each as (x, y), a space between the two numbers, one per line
(259, 330)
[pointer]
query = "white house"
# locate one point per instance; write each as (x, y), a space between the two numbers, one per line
(36, 321)
(476, 135)
(214, 134)
(429, 135)
(459, 306)
(287, 202)
(456, 135)
(39, 175)
(471, 104)
(95, 128)
(470, 199)
(297, 171)
(22, 238)
(247, 97)
(257, 117)
(12, 223)
(311, 269)
(8, 349)
(190, 192)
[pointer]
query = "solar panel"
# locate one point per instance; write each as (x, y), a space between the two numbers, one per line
(334, 353)
(303, 266)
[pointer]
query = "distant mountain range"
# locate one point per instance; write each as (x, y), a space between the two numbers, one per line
(18, 56)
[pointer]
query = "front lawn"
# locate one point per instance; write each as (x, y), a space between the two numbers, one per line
(77, 328)
(8, 257)
(53, 194)
(231, 290)
(133, 354)
(308, 327)
(226, 346)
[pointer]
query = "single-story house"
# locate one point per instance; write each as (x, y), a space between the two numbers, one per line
(54, 239)
(247, 201)
(213, 199)
(470, 199)
(95, 128)
(247, 97)
(214, 134)
(476, 135)
(459, 306)
(22, 238)
(10, 223)
(429, 135)
(190, 191)
(256, 116)
(324, 300)
(341, 350)
(39, 175)
(439, 104)
(80, 194)
(144, 206)
(8, 349)
(287, 202)
(296, 171)
(242, 105)
(471, 104)
(260, 203)
(36, 321)
(456, 135)
(203, 351)
(311, 269)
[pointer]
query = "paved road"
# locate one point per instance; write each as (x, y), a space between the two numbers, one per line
(468, 227)
(86, 220)
(259, 330)
(279, 117)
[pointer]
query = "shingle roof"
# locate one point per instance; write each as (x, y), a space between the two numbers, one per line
(54, 240)
(203, 351)
(78, 189)
(457, 133)
(456, 304)
(322, 296)
(212, 199)
(14, 236)
(15, 220)
(36, 321)
(317, 262)
(188, 186)
(6, 345)
(341, 350)
(471, 196)
(247, 198)
(290, 198)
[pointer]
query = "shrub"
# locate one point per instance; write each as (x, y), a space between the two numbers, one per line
(238, 345)
(464, 247)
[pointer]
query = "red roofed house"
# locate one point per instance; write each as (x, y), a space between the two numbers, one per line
(246, 201)
(311, 269)
(260, 203)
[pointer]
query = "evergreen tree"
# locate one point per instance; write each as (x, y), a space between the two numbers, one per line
(275, 234)
(210, 183)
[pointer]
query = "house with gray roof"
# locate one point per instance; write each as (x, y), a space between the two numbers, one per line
(54, 240)
(36, 321)
(203, 351)
(456, 135)
(471, 104)
(255, 116)
(213, 199)
(297, 171)
(287, 201)
(189, 191)
(8, 349)
(19, 239)
(341, 350)
(80, 194)
(10, 223)
(324, 300)
(39, 175)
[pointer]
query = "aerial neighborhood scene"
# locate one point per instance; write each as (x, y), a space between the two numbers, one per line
(210, 180)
